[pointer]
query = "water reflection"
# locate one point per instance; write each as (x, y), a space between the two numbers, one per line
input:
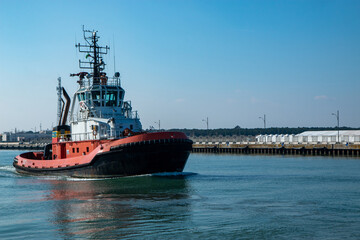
(118, 208)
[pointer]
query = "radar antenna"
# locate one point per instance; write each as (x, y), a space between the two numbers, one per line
(94, 53)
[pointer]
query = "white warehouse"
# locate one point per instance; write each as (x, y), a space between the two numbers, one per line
(324, 137)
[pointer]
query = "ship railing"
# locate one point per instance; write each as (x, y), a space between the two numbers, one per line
(113, 134)
(109, 81)
(77, 137)
(132, 114)
(109, 134)
(135, 114)
(99, 114)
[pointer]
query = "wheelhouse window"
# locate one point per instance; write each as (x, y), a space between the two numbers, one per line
(87, 97)
(96, 97)
(111, 99)
(121, 96)
(81, 97)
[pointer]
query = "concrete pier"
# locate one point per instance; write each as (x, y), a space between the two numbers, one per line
(347, 150)
(21, 146)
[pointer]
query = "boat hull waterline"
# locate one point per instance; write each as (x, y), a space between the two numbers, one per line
(137, 155)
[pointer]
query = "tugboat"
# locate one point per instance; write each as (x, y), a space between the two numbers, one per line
(103, 136)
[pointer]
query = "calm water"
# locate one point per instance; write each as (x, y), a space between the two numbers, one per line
(218, 197)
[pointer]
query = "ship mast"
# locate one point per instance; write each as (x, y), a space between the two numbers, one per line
(60, 101)
(93, 52)
(96, 69)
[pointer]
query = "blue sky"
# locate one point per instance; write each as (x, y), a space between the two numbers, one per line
(183, 61)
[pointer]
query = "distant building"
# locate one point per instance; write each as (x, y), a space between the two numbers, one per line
(325, 137)
(8, 137)
(38, 137)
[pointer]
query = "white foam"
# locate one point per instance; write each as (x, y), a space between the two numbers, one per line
(9, 168)
(173, 174)
(74, 179)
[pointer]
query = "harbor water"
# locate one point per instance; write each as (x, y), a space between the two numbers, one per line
(217, 197)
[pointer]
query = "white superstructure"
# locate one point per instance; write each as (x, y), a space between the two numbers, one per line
(99, 111)
(98, 108)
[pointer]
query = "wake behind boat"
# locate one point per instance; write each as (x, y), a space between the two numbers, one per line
(104, 137)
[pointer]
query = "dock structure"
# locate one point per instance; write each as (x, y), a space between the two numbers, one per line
(21, 146)
(337, 149)
(316, 143)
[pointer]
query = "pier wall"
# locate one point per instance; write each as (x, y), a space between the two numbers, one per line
(21, 146)
(348, 150)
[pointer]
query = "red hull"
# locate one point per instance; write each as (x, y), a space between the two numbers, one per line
(104, 158)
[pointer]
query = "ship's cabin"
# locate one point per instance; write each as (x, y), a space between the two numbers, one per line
(102, 101)
(102, 96)
(100, 112)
